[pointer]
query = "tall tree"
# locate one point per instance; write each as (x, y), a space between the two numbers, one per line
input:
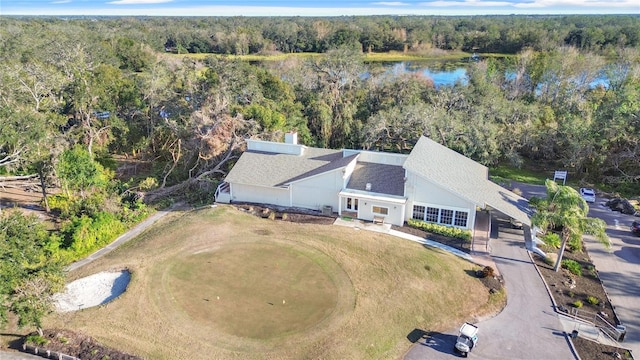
(30, 274)
(564, 210)
(79, 172)
(333, 81)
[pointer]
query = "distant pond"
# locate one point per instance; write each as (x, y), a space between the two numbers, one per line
(446, 73)
(442, 73)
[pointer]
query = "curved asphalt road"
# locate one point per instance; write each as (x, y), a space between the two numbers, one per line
(527, 328)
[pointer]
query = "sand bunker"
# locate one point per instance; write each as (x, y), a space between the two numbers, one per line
(94, 290)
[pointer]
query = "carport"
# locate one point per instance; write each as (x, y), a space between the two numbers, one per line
(507, 202)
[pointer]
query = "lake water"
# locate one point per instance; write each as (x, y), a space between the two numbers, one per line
(441, 74)
(447, 73)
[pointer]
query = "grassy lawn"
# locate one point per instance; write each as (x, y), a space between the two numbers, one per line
(220, 283)
(504, 173)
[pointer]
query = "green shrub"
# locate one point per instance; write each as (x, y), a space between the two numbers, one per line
(577, 304)
(593, 300)
(552, 239)
(36, 339)
(573, 266)
(448, 231)
(61, 204)
(575, 244)
(83, 235)
(133, 212)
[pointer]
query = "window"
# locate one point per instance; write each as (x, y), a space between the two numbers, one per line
(432, 214)
(446, 216)
(418, 212)
(460, 219)
(380, 210)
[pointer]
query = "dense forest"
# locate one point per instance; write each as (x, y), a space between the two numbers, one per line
(79, 97)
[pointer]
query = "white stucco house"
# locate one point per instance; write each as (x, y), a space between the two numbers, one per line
(432, 183)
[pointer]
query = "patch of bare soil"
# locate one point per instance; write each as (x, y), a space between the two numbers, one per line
(567, 289)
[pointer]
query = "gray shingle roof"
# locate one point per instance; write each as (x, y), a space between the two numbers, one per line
(447, 168)
(274, 170)
(384, 179)
(428, 159)
(463, 176)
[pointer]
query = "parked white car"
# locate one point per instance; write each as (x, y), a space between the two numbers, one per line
(588, 194)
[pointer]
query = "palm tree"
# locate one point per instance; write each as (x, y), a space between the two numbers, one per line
(566, 211)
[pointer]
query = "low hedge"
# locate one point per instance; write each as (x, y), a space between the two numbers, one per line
(443, 230)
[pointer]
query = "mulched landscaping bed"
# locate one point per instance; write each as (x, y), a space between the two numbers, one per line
(567, 288)
(459, 244)
(81, 346)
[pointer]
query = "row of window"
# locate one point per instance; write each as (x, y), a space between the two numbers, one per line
(440, 216)
(429, 214)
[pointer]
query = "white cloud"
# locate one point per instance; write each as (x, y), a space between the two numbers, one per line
(470, 3)
(439, 7)
(390, 3)
(61, 2)
(138, 2)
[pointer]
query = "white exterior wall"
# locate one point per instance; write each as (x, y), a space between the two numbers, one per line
(261, 195)
(365, 211)
(422, 192)
(377, 157)
(317, 191)
(348, 170)
(275, 147)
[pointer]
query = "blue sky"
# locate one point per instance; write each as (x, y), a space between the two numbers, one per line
(314, 8)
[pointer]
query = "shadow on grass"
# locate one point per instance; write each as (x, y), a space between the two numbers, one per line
(472, 273)
(15, 344)
(416, 334)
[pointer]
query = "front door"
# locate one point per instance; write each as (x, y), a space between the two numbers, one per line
(352, 204)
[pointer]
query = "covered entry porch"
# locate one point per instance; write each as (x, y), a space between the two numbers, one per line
(362, 205)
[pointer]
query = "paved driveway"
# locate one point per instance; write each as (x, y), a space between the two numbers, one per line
(527, 328)
(618, 267)
(18, 356)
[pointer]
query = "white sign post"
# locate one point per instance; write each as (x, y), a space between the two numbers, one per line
(560, 175)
